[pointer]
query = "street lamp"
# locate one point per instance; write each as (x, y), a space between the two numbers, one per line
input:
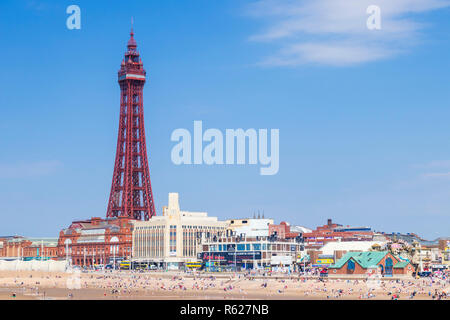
(114, 256)
(235, 254)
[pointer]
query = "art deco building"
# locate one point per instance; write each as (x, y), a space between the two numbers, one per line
(172, 239)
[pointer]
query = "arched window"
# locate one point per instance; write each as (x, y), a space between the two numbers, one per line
(388, 266)
(351, 266)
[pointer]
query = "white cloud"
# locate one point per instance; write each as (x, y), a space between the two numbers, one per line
(334, 32)
(333, 53)
(27, 170)
(440, 175)
(434, 164)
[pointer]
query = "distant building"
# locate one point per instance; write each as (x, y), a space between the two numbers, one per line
(347, 246)
(238, 253)
(171, 240)
(96, 241)
(382, 262)
(334, 250)
(427, 258)
(283, 231)
(258, 227)
(444, 246)
(409, 238)
(335, 232)
(17, 247)
(300, 229)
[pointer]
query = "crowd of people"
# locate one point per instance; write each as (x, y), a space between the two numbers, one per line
(133, 285)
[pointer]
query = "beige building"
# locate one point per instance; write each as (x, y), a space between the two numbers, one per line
(172, 239)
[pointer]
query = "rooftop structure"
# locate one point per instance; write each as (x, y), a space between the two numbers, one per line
(334, 232)
(330, 248)
(250, 227)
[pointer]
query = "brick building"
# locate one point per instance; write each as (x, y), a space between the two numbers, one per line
(96, 241)
(336, 232)
(17, 247)
(360, 263)
(283, 231)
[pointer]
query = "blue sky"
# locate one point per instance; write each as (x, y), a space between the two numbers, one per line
(363, 116)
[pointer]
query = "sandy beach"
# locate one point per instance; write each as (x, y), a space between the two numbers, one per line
(26, 285)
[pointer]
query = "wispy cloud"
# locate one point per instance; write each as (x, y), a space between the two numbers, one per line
(37, 6)
(27, 170)
(439, 175)
(334, 32)
(434, 164)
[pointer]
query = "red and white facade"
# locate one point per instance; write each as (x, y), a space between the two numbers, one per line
(96, 241)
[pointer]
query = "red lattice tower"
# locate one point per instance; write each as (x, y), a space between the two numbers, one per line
(131, 191)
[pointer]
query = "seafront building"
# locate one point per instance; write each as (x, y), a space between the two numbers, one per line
(335, 232)
(332, 251)
(383, 263)
(256, 227)
(444, 246)
(284, 231)
(96, 241)
(240, 253)
(22, 248)
(171, 240)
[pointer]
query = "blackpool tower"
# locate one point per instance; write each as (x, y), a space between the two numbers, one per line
(131, 191)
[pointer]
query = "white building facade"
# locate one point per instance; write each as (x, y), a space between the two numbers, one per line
(250, 228)
(171, 240)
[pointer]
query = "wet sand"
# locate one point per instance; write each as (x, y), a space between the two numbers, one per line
(28, 285)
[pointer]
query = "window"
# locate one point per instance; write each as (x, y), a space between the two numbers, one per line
(351, 266)
(388, 266)
(173, 240)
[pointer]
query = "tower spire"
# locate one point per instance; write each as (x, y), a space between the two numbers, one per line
(132, 45)
(131, 192)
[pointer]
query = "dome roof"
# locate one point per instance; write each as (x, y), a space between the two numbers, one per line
(132, 43)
